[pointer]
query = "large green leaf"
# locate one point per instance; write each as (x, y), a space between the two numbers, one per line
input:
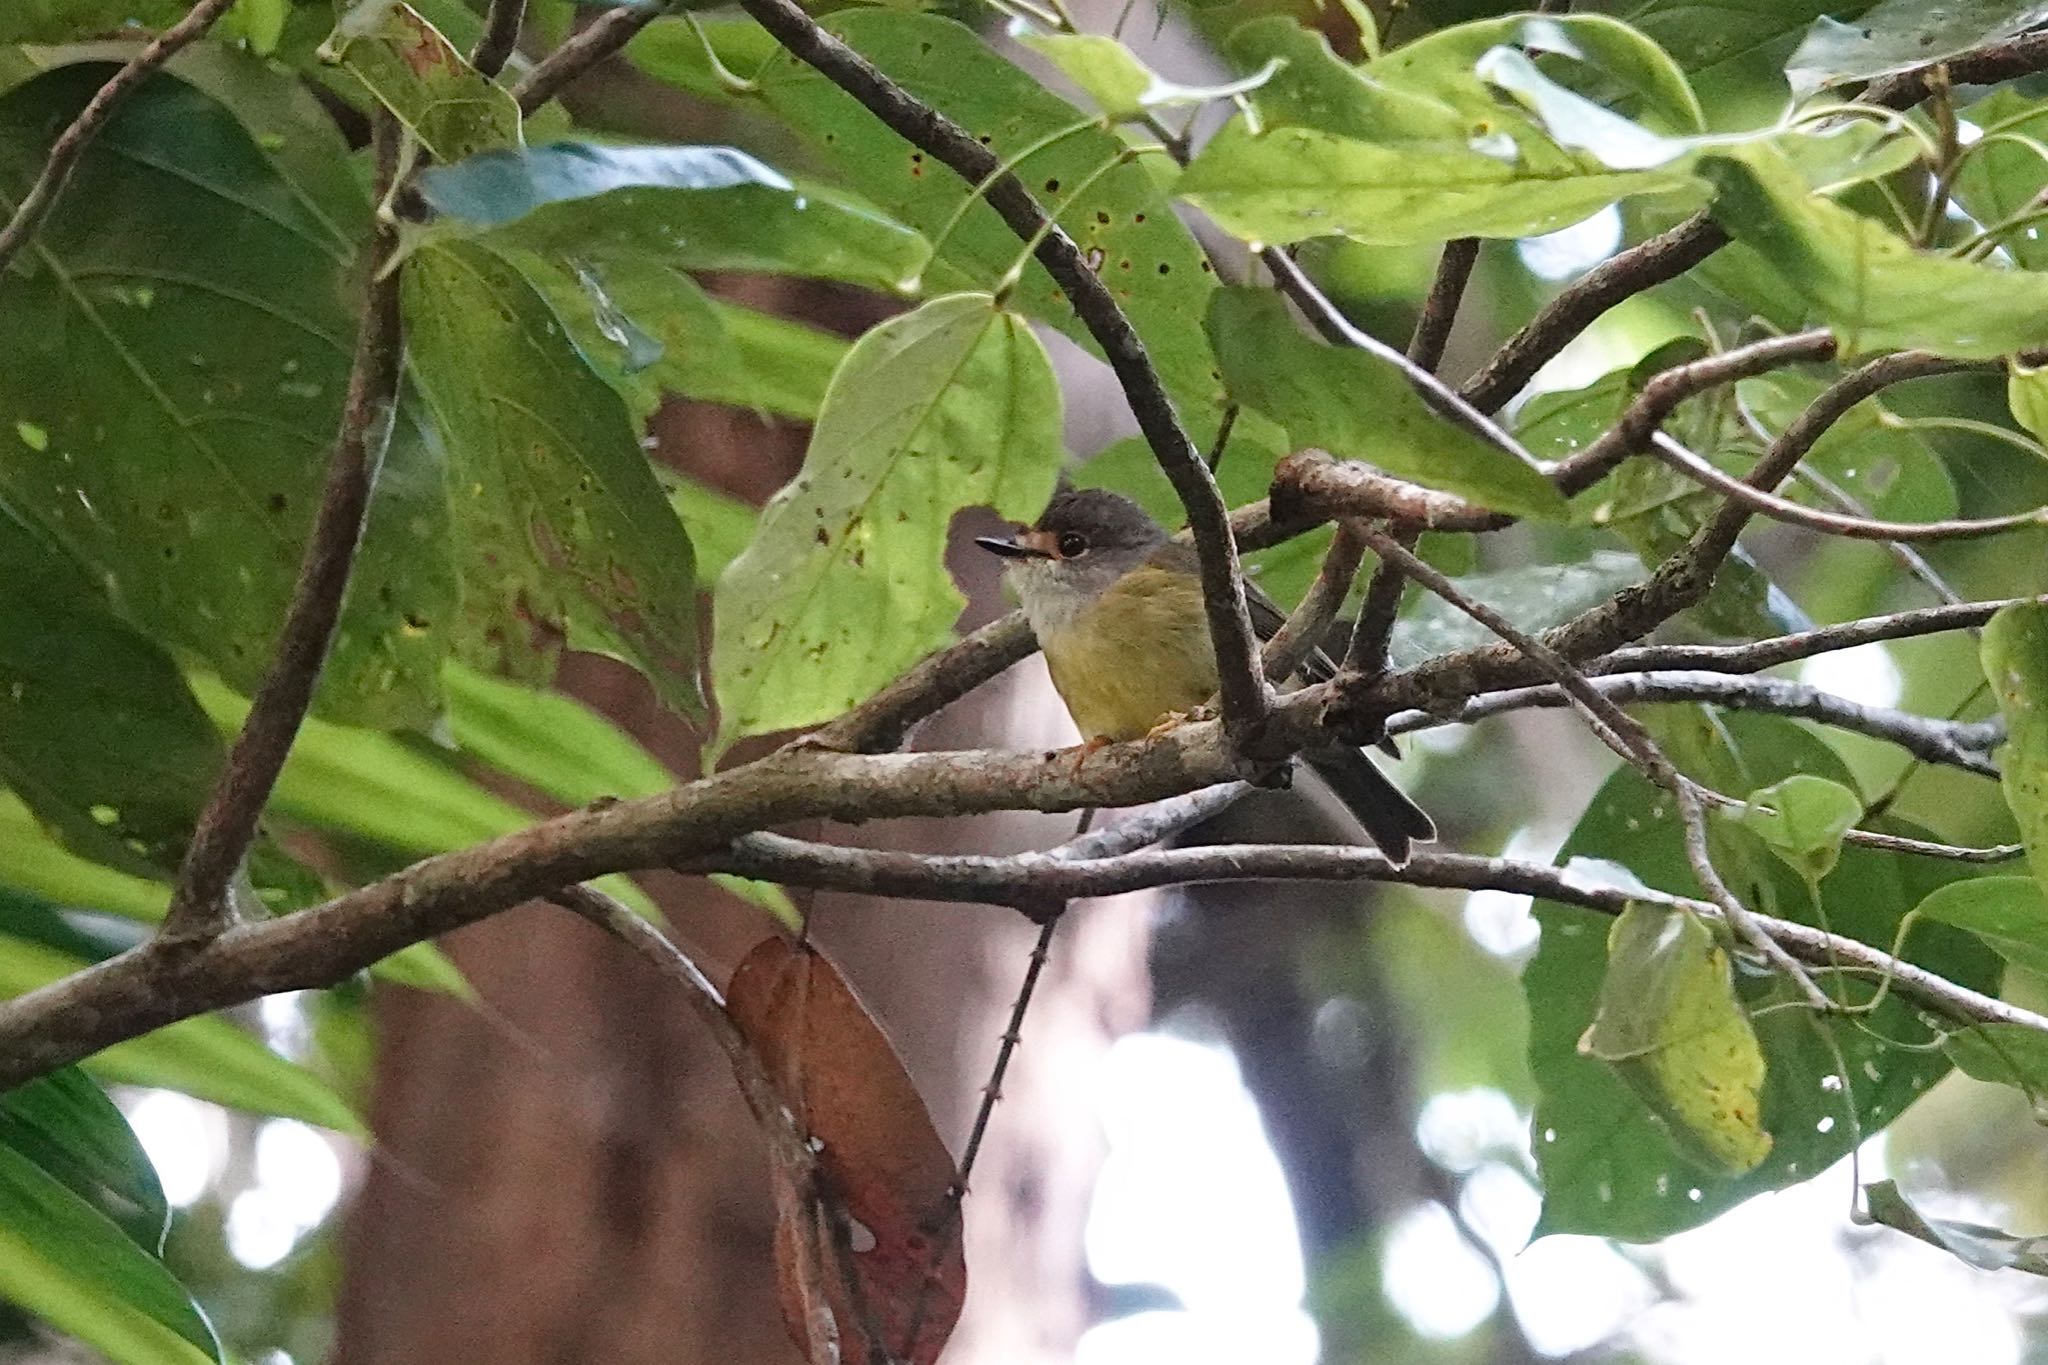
(696, 208)
(2002, 173)
(2015, 651)
(97, 731)
(65, 1124)
(63, 21)
(845, 584)
(560, 530)
(1606, 1164)
(1118, 214)
(1874, 289)
(166, 406)
(1353, 404)
(422, 78)
(1290, 184)
(1734, 50)
(64, 1261)
(2009, 913)
(1901, 35)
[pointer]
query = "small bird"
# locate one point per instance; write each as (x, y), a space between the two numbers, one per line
(1117, 606)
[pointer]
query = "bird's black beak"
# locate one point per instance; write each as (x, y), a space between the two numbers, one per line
(1013, 547)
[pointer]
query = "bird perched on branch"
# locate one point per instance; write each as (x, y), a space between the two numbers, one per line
(1117, 606)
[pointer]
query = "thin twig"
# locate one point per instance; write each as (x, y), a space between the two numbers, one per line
(1954, 744)
(500, 38)
(1245, 694)
(575, 58)
(1784, 649)
(1440, 307)
(70, 145)
(1301, 634)
(1629, 740)
(200, 905)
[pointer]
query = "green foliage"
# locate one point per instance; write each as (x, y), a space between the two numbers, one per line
(2015, 649)
(416, 73)
(1803, 819)
(844, 584)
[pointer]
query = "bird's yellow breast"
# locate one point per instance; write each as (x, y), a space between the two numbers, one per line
(1136, 653)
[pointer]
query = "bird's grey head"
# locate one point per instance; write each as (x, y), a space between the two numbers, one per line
(1086, 540)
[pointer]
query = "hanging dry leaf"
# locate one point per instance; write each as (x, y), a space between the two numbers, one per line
(882, 1175)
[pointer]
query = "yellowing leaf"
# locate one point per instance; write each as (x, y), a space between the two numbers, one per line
(1669, 1024)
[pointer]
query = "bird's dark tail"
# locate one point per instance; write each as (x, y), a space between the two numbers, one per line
(1390, 819)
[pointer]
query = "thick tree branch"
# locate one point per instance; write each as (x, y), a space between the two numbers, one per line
(500, 38)
(70, 145)
(574, 59)
(200, 903)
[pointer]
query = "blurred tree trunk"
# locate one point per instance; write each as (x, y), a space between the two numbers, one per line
(566, 1174)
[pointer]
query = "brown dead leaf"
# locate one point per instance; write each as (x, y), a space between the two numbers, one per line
(882, 1172)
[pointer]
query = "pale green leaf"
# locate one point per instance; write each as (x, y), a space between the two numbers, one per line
(2009, 913)
(1902, 35)
(1803, 820)
(2015, 655)
(422, 78)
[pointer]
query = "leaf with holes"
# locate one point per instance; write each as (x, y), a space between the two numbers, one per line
(1349, 403)
(844, 584)
(415, 72)
(1606, 1165)
(167, 407)
(1114, 210)
(2015, 653)
(561, 533)
(879, 1157)
(1670, 1026)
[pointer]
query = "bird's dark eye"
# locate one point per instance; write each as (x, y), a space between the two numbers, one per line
(1073, 544)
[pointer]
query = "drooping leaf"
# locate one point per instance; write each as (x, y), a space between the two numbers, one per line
(1290, 184)
(1986, 1248)
(879, 1157)
(1606, 1166)
(1901, 35)
(1351, 404)
(422, 78)
(66, 1262)
(2015, 653)
(2005, 1054)
(1115, 212)
(2009, 913)
(844, 584)
(1874, 289)
(1671, 1027)
(1803, 819)
(1121, 85)
(693, 208)
(560, 531)
(167, 406)
(65, 1124)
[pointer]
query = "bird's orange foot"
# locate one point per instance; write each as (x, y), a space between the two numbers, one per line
(1174, 719)
(1086, 749)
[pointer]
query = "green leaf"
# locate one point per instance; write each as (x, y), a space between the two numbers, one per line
(1111, 74)
(63, 21)
(2005, 1054)
(1116, 213)
(2009, 913)
(1535, 598)
(1871, 287)
(1986, 1248)
(693, 208)
(670, 50)
(1606, 1164)
(1734, 50)
(844, 585)
(97, 731)
(31, 860)
(1290, 184)
(551, 742)
(1901, 35)
(423, 79)
(560, 530)
(1355, 405)
(1889, 469)
(719, 525)
(1670, 1026)
(65, 1124)
(167, 406)
(1315, 88)
(204, 1056)
(1803, 820)
(2001, 173)
(65, 1262)
(784, 365)
(646, 330)
(378, 788)
(2015, 654)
